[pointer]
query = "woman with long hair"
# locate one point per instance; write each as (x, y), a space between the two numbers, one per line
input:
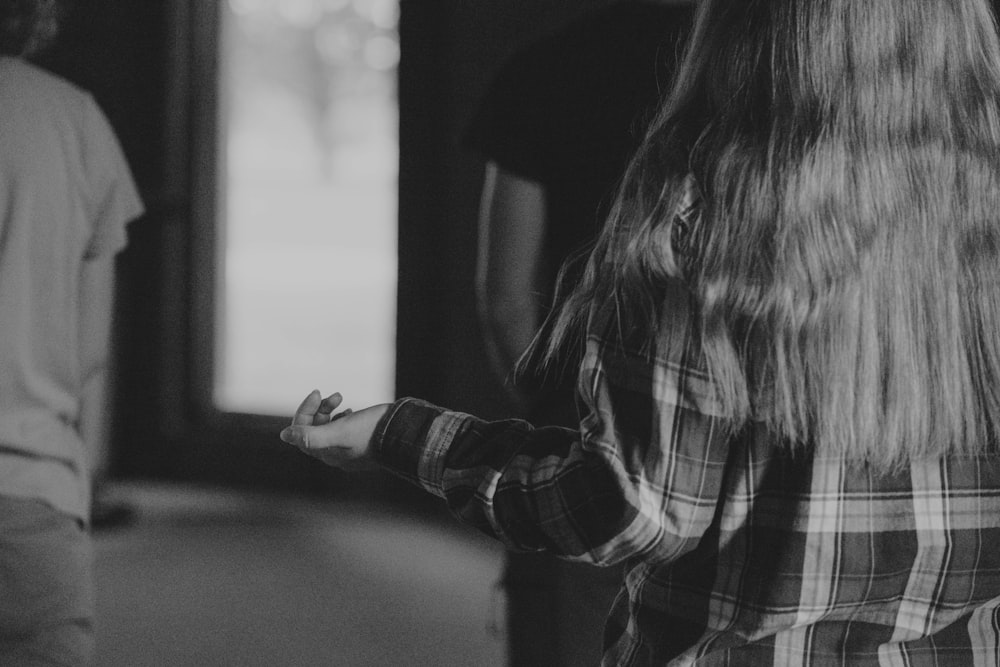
(790, 340)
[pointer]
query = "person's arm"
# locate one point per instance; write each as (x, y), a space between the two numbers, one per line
(642, 475)
(509, 291)
(96, 310)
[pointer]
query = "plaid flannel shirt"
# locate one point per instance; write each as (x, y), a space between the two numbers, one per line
(739, 551)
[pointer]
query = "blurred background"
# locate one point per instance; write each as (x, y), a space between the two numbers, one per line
(311, 224)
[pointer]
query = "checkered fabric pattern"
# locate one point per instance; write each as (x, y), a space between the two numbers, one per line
(740, 549)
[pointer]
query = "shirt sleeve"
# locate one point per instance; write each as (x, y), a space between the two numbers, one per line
(641, 476)
(114, 199)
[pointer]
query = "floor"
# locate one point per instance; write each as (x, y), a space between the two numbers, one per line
(213, 578)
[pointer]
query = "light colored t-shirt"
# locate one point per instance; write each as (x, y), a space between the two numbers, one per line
(66, 194)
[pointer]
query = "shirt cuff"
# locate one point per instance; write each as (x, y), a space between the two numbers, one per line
(412, 440)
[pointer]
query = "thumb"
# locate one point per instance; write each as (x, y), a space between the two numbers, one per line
(296, 435)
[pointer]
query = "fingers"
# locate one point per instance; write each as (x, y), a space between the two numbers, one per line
(313, 413)
(323, 442)
(306, 438)
(343, 440)
(326, 408)
(306, 411)
(310, 439)
(316, 411)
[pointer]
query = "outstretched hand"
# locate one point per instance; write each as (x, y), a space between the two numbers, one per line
(340, 439)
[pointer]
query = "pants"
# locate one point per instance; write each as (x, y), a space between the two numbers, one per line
(556, 610)
(46, 587)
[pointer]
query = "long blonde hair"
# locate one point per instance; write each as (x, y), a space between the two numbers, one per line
(847, 265)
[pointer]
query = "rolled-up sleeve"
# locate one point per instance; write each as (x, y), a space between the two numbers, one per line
(641, 476)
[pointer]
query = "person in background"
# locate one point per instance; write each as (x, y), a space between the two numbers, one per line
(556, 128)
(790, 375)
(66, 195)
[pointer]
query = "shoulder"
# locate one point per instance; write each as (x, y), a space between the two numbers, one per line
(34, 100)
(32, 82)
(44, 117)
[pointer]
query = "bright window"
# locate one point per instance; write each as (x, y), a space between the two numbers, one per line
(307, 230)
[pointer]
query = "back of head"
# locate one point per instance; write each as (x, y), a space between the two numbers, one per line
(847, 264)
(27, 26)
